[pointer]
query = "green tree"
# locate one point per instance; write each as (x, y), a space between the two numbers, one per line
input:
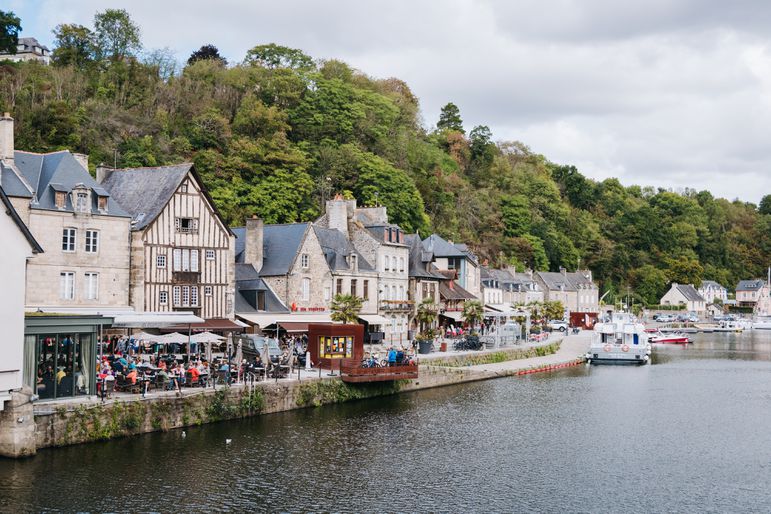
(649, 283)
(345, 308)
(117, 36)
(449, 119)
(207, 53)
(10, 26)
(277, 56)
(473, 312)
(554, 309)
(426, 317)
(765, 205)
(74, 45)
(685, 270)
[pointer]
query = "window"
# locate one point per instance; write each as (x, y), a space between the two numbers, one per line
(183, 188)
(339, 289)
(401, 293)
(260, 300)
(61, 200)
(353, 262)
(81, 202)
(304, 261)
(401, 264)
(102, 201)
(92, 286)
(393, 293)
(92, 241)
(68, 240)
(354, 287)
(67, 290)
(185, 296)
(209, 255)
(186, 259)
(163, 298)
(387, 263)
(193, 296)
(176, 292)
(207, 291)
(327, 293)
(186, 225)
(306, 289)
(160, 261)
(365, 292)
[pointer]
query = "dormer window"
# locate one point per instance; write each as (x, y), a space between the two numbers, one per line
(81, 201)
(102, 203)
(187, 225)
(353, 262)
(61, 199)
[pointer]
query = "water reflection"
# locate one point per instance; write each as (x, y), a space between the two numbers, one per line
(688, 433)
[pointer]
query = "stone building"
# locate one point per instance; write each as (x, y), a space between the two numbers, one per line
(687, 295)
(576, 290)
(28, 49)
(182, 252)
(424, 279)
(711, 291)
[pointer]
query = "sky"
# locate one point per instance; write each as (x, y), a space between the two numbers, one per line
(664, 93)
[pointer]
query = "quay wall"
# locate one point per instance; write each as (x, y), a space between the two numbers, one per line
(74, 422)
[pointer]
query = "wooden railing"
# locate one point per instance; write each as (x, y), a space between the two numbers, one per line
(351, 372)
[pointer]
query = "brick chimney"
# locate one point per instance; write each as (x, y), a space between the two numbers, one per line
(6, 137)
(563, 270)
(255, 233)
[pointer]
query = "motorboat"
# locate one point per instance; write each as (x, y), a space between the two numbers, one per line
(619, 339)
(729, 326)
(762, 323)
(674, 338)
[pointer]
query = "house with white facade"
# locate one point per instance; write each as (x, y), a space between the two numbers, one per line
(748, 292)
(711, 291)
(28, 49)
(687, 295)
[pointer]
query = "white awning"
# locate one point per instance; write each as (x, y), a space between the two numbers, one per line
(154, 319)
(263, 320)
(375, 319)
(453, 315)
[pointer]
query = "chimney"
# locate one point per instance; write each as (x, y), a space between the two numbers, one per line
(339, 212)
(563, 270)
(6, 137)
(82, 159)
(102, 172)
(255, 230)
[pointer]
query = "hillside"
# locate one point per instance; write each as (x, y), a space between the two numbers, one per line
(277, 134)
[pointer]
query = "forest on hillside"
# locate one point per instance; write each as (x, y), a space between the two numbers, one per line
(279, 132)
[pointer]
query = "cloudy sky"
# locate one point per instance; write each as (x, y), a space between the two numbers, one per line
(656, 92)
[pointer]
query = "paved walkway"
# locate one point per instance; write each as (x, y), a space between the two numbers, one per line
(572, 348)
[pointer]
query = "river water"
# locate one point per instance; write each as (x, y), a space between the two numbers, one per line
(689, 433)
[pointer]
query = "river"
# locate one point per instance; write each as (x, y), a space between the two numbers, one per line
(689, 433)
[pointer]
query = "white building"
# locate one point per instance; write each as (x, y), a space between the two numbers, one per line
(687, 295)
(18, 246)
(711, 291)
(28, 49)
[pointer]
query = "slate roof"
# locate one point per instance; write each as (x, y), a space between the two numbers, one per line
(9, 209)
(420, 261)
(337, 248)
(144, 192)
(281, 243)
(440, 247)
(454, 292)
(32, 42)
(12, 183)
(556, 281)
(378, 232)
(705, 284)
(248, 282)
(47, 173)
(749, 285)
(689, 292)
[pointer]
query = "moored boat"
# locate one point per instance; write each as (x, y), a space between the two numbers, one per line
(675, 338)
(620, 339)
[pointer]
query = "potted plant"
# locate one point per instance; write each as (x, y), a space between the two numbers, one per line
(426, 317)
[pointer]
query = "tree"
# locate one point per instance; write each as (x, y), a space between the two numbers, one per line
(164, 61)
(277, 56)
(554, 309)
(74, 45)
(345, 308)
(10, 26)
(117, 36)
(426, 317)
(649, 283)
(207, 52)
(765, 205)
(449, 119)
(473, 312)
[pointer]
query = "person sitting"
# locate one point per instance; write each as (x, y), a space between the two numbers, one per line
(117, 365)
(60, 375)
(162, 378)
(195, 374)
(131, 376)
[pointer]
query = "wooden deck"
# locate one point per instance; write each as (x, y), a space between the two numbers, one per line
(357, 374)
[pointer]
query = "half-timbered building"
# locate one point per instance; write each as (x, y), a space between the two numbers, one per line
(182, 252)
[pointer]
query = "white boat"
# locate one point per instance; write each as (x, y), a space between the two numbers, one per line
(620, 339)
(762, 323)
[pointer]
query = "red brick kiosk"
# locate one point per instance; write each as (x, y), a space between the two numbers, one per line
(330, 345)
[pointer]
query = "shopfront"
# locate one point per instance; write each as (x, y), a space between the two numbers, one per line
(60, 354)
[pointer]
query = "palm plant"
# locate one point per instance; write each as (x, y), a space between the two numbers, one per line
(473, 312)
(426, 316)
(345, 308)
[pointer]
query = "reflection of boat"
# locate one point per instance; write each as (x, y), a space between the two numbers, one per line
(675, 338)
(622, 339)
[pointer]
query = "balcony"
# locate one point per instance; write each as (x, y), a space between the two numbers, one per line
(186, 277)
(396, 305)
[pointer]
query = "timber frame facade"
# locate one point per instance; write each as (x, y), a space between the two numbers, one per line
(182, 252)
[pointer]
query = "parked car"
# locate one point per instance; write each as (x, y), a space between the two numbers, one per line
(252, 344)
(665, 318)
(558, 324)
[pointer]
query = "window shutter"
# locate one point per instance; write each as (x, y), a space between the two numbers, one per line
(177, 259)
(177, 224)
(195, 223)
(194, 260)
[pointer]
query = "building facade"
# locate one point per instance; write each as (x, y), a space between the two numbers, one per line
(687, 295)
(711, 291)
(182, 252)
(28, 49)
(748, 292)
(576, 290)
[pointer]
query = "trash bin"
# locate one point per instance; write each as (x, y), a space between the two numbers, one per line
(443, 347)
(424, 347)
